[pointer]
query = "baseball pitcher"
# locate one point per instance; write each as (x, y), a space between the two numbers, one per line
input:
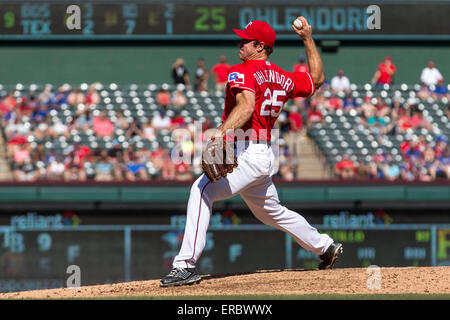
(255, 94)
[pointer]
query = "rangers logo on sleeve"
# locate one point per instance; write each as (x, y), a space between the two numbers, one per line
(236, 77)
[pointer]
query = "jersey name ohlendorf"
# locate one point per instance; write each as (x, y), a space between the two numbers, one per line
(272, 87)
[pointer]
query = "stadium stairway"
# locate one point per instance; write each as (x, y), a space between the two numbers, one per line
(311, 163)
(5, 170)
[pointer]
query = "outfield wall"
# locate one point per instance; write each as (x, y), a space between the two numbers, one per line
(149, 62)
(117, 233)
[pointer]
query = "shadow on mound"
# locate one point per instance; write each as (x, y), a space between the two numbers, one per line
(226, 275)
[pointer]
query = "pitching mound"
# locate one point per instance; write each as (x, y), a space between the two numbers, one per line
(411, 280)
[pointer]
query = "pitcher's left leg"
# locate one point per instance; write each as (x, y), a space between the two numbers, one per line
(262, 199)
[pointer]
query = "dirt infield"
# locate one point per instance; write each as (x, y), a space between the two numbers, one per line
(410, 280)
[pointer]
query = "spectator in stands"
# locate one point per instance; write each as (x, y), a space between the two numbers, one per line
(372, 169)
(23, 108)
(201, 76)
(135, 167)
(314, 116)
(79, 153)
(58, 129)
(441, 90)
(92, 96)
(397, 108)
(441, 169)
(39, 154)
(163, 97)
(13, 144)
(404, 121)
(282, 123)
(385, 72)
(427, 165)
(301, 65)
(345, 168)
(367, 109)
(411, 151)
(333, 103)
(180, 74)
(46, 97)
(115, 155)
(381, 108)
(295, 120)
(177, 121)
(76, 97)
(8, 103)
(63, 93)
(407, 170)
(440, 146)
(417, 120)
(183, 171)
(424, 92)
(287, 170)
(55, 169)
(340, 83)
(375, 122)
(430, 75)
(220, 73)
(349, 102)
(85, 121)
(391, 171)
(16, 128)
(102, 126)
(363, 170)
(135, 129)
(148, 130)
(103, 168)
(295, 131)
(284, 163)
(178, 99)
(163, 164)
(157, 157)
(161, 121)
(428, 155)
(40, 114)
(21, 153)
(26, 171)
(121, 122)
(33, 101)
(74, 171)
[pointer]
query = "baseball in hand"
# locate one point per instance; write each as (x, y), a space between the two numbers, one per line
(298, 24)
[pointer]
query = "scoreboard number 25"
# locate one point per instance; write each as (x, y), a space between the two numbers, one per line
(210, 19)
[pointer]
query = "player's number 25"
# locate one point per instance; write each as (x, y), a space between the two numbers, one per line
(272, 101)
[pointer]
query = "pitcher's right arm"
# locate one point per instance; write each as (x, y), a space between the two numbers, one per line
(312, 54)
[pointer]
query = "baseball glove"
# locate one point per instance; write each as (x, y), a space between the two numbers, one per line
(218, 159)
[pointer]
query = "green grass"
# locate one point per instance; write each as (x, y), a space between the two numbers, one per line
(295, 297)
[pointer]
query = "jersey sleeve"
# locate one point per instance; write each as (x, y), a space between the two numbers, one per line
(240, 78)
(303, 85)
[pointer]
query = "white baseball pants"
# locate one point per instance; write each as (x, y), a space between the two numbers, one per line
(252, 179)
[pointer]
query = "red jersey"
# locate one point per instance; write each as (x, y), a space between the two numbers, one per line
(385, 77)
(300, 67)
(272, 87)
(221, 70)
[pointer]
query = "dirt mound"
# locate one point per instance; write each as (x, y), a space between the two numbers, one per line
(419, 280)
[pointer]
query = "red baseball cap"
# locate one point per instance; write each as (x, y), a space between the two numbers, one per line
(258, 30)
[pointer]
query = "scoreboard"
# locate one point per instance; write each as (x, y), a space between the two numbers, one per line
(39, 257)
(133, 20)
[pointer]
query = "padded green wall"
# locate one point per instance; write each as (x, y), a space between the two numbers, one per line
(151, 63)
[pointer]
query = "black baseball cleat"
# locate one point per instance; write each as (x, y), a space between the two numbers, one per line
(179, 277)
(330, 256)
